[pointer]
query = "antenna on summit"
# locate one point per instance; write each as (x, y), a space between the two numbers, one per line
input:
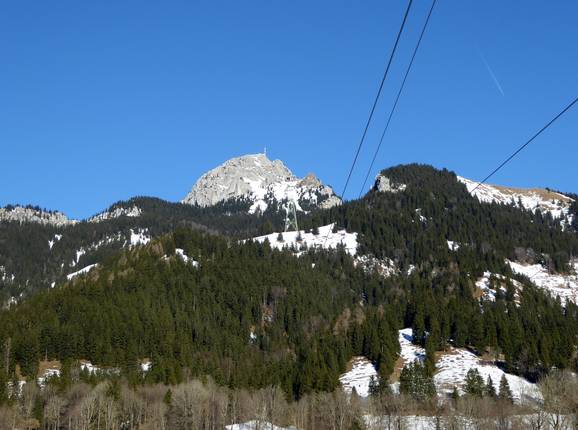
(265, 151)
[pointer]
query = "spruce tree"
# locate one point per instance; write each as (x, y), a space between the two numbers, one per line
(373, 386)
(505, 391)
(416, 381)
(474, 383)
(490, 389)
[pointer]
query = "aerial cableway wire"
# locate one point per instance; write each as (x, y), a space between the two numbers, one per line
(507, 160)
(394, 49)
(397, 97)
(376, 98)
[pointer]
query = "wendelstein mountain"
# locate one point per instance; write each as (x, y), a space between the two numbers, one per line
(420, 267)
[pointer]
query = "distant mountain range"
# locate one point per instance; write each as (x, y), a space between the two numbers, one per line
(243, 197)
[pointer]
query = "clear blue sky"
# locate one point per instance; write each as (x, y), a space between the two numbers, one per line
(101, 101)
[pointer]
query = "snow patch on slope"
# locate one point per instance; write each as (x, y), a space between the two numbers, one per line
(490, 283)
(5, 276)
(359, 377)
(181, 254)
(326, 239)
(409, 352)
(555, 204)
(56, 238)
(132, 212)
(453, 246)
(563, 286)
(383, 267)
(81, 271)
(48, 373)
(139, 237)
(453, 365)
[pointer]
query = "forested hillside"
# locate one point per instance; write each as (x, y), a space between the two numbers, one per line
(166, 292)
(252, 317)
(34, 256)
(412, 226)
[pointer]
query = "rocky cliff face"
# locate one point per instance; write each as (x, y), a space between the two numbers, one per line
(262, 182)
(32, 214)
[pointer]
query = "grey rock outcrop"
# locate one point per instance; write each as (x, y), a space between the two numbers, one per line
(261, 181)
(23, 214)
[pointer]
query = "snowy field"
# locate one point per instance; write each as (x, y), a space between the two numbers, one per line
(453, 365)
(362, 370)
(325, 239)
(409, 352)
(563, 286)
(532, 199)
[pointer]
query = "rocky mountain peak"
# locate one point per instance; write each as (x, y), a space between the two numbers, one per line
(261, 181)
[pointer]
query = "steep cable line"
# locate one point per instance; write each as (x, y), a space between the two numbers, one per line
(394, 49)
(377, 97)
(397, 98)
(566, 109)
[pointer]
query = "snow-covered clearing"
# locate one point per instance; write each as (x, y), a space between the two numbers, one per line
(453, 365)
(326, 239)
(563, 286)
(555, 204)
(362, 370)
(409, 352)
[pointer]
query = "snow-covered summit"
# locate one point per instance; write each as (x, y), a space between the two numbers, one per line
(262, 182)
(24, 214)
(529, 198)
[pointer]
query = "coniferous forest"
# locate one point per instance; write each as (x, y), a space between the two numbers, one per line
(235, 316)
